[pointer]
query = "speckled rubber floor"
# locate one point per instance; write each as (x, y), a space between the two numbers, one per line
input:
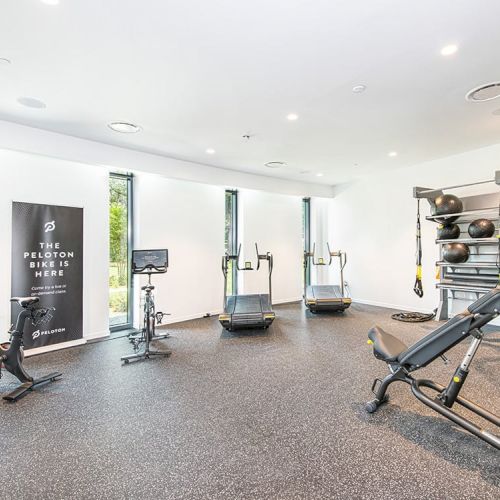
(279, 415)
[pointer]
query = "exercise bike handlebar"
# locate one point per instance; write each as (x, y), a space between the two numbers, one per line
(149, 269)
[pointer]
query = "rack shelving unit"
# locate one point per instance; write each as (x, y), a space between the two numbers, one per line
(480, 273)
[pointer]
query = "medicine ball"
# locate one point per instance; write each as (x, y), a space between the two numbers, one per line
(481, 228)
(448, 232)
(447, 204)
(456, 253)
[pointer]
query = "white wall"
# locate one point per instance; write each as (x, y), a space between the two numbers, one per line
(17, 137)
(39, 179)
(374, 221)
(188, 219)
(274, 222)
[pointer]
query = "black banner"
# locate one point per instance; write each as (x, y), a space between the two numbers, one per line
(47, 262)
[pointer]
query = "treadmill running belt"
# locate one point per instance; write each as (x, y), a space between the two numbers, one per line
(247, 311)
(326, 297)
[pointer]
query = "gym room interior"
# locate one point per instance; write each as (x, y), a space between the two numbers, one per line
(251, 249)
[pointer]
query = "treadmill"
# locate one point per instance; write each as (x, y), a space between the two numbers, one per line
(247, 311)
(325, 297)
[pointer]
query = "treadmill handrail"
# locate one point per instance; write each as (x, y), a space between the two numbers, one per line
(236, 258)
(312, 256)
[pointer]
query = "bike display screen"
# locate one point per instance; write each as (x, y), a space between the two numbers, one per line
(149, 260)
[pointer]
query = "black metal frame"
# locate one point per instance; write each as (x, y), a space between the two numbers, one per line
(306, 215)
(447, 396)
(150, 315)
(310, 256)
(130, 245)
(11, 353)
(225, 318)
(233, 236)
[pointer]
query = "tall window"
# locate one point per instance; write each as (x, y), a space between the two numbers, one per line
(231, 239)
(306, 233)
(120, 248)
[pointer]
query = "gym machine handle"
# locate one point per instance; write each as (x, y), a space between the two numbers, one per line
(149, 268)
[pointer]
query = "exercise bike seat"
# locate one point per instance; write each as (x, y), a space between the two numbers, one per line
(25, 301)
(147, 287)
(385, 346)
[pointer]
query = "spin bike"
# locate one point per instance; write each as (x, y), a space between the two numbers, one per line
(11, 353)
(148, 262)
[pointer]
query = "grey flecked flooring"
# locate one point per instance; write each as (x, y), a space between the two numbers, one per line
(274, 415)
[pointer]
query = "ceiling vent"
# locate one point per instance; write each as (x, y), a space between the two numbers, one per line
(484, 92)
(275, 164)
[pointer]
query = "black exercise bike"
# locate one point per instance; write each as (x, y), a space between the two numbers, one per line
(11, 353)
(148, 262)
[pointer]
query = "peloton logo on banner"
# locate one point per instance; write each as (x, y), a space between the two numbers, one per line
(41, 333)
(50, 226)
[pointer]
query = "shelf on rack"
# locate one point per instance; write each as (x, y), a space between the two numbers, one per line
(471, 241)
(491, 212)
(492, 278)
(474, 265)
(468, 284)
(459, 288)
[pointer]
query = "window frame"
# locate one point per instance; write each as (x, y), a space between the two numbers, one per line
(306, 221)
(130, 245)
(234, 236)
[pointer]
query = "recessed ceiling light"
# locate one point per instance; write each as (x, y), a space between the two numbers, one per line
(292, 117)
(50, 2)
(393, 154)
(31, 102)
(210, 151)
(319, 174)
(448, 50)
(357, 89)
(124, 127)
(485, 92)
(4, 61)
(275, 164)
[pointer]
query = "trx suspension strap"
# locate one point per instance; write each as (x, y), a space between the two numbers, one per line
(418, 288)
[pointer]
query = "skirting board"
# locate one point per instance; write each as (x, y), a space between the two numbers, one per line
(65, 345)
(55, 347)
(391, 306)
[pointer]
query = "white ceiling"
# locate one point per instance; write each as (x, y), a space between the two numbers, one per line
(198, 74)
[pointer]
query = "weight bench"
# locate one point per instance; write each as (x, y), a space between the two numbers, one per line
(403, 360)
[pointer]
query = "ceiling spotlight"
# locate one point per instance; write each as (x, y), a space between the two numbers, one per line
(393, 154)
(31, 102)
(124, 127)
(4, 61)
(357, 89)
(485, 92)
(275, 164)
(50, 2)
(292, 117)
(319, 174)
(449, 50)
(210, 151)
